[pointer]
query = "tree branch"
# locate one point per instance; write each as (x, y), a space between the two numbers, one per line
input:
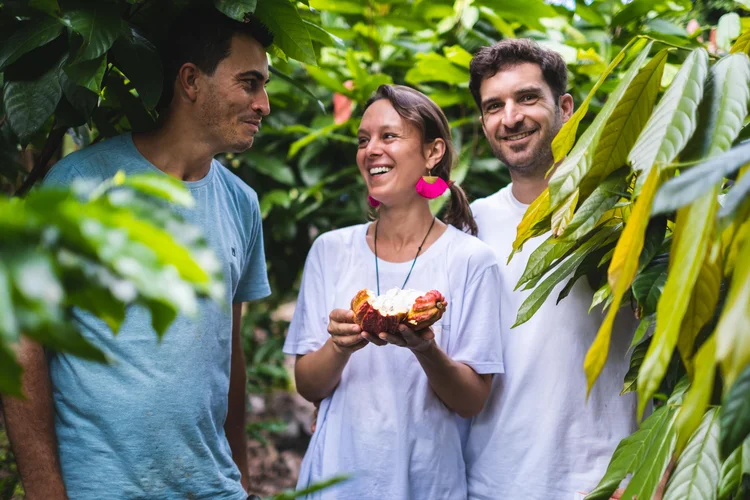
(40, 169)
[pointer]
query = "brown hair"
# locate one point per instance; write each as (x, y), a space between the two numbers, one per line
(511, 52)
(419, 110)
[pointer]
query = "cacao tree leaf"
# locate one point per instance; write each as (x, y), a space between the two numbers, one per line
(735, 197)
(290, 33)
(674, 118)
(432, 67)
(626, 122)
(29, 36)
(621, 272)
(731, 475)
(82, 100)
(648, 286)
(694, 225)
(28, 104)
(694, 182)
(653, 241)
(702, 303)
(728, 28)
(50, 7)
(236, 9)
(602, 199)
(742, 44)
(541, 259)
(87, 74)
(537, 212)
(318, 34)
(10, 373)
(603, 294)
(735, 413)
(566, 137)
(640, 332)
(528, 13)
(696, 476)
(568, 175)
(138, 59)
(698, 395)
(542, 291)
(98, 23)
(636, 452)
(589, 265)
(564, 214)
(631, 378)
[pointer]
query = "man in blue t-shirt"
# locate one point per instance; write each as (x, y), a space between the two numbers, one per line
(166, 419)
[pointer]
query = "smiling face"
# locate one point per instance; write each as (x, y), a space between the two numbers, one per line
(235, 99)
(520, 117)
(392, 155)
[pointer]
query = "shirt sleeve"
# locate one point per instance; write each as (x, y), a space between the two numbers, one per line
(308, 330)
(253, 283)
(477, 341)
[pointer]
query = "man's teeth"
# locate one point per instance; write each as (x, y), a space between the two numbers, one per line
(518, 136)
(379, 170)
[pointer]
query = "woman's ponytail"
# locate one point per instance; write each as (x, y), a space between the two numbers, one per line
(459, 213)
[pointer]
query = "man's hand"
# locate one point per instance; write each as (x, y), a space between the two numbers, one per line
(416, 341)
(346, 335)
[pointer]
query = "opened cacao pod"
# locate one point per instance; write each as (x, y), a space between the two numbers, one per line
(384, 313)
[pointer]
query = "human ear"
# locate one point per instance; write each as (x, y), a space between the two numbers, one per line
(566, 105)
(188, 80)
(435, 152)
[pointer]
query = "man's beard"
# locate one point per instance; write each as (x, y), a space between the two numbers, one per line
(541, 159)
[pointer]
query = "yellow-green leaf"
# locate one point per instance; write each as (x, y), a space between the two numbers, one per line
(732, 339)
(695, 224)
(699, 395)
(621, 272)
(742, 44)
(563, 215)
(537, 211)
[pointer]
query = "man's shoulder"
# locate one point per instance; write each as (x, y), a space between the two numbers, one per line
(237, 187)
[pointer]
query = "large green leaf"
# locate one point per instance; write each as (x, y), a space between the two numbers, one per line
(563, 214)
(31, 35)
(688, 186)
(529, 12)
(694, 224)
(534, 301)
(674, 118)
(630, 454)
(735, 414)
(540, 260)
(648, 286)
(696, 476)
(98, 23)
(631, 378)
(568, 175)
(602, 199)
(138, 59)
(536, 214)
(290, 33)
(28, 104)
(236, 9)
(728, 28)
(10, 373)
(88, 74)
(432, 67)
(731, 475)
(626, 122)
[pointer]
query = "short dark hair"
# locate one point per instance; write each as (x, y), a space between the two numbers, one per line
(511, 52)
(422, 112)
(203, 36)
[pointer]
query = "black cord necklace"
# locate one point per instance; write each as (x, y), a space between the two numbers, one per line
(377, 273)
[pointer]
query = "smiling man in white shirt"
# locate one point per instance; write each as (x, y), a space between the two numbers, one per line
(538, 437)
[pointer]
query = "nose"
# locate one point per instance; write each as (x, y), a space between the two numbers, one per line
(373, 148)
(261, 104)
(512, 115)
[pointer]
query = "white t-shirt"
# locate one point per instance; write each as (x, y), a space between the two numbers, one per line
(537, 437)
(383, 423)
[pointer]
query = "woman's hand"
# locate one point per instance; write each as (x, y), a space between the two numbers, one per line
(416, 341)
(345, 334)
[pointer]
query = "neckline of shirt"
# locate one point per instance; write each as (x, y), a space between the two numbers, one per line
(191, 185)
(513, 201)
(428, 254)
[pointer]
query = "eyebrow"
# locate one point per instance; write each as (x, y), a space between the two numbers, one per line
(391, 126)
(254, 74)
(521, 91)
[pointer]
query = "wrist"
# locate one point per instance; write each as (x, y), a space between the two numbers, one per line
(429, 352)
(340, 353)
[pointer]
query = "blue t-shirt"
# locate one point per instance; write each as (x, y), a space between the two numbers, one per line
(151, 425)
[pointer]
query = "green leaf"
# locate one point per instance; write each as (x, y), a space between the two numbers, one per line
(735, 414)
(162, 315)
(630, 454)
(28, 104)
(674, 118)
(564, 213)
(735, 197)
(653, 241)
(290, 33)
(603, 198)
(626, 122)
(328, 80)
(10, 373)
(432, 67)
(236, 9)
(64, 338)
(300, 85)
(685, 188)
(631, 378)
(82, 100)
(731, 475)
(568, 175)
(528, 13)
(50, 7)
(696, 476)
(8, 323)
(160, 186)
(534, 301)
(632, 11)
(272, 166)
(138, 59)
(88, 74)
(540, 260)
(648, 286)
(31, 35)
(728, 29)
(742, 45)
(589, 266)
(98, 23)
(640, 332)
(320, 35)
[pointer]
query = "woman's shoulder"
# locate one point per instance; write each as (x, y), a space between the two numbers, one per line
(345, 237)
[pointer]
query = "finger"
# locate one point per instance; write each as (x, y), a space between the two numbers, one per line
(373, 339)
(342, 315)
(347, 341)
(393, 339)
(413, 338)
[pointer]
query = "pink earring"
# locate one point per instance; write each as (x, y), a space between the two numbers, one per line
(372, 201)
(431, 186)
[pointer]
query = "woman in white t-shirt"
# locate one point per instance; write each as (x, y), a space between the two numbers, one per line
(388, 403)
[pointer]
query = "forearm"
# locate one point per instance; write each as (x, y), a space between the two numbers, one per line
(456, 384)
(31, 431)
(234, 426)
(317, 374)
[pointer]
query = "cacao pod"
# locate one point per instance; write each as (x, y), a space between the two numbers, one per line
(384, 313)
